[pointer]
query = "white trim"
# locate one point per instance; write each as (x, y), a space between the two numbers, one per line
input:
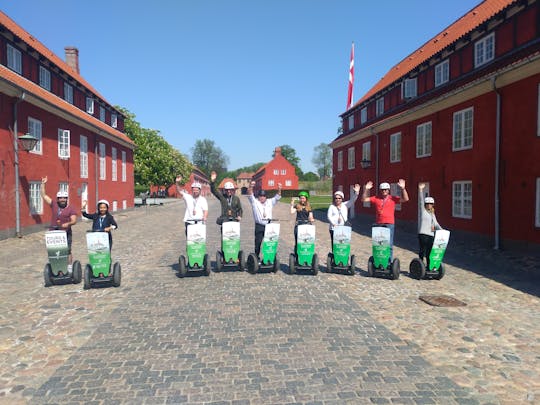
(63, 143)
(124, 173)
(409, 88)
(35, 202)
(83, 156)
(44, 78)
(424, 140)
(89, 105)
(114, 164)
(68, 92)
(35, 128)
(442, 73)
(484, 50)
(459, 200)
(102, 162)
(14, 59)
(395, 147)
(461, 124)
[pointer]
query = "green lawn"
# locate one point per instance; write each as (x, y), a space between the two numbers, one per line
(318, 202)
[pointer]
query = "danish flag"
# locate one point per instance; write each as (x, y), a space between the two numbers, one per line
(351, 79)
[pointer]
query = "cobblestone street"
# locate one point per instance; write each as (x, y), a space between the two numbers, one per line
(238, 338)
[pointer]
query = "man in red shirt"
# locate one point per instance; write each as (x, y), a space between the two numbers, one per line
(385, 205)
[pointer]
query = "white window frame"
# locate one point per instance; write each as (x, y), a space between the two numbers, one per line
(63, 143)
(124, 173)
(35, 129)
(271, 183)
(102, 113)
(276, 172)
(283, 172)
(484, 50)
(44, 78)
(115, 205)
(379, 106)
(398, 192)
(114, 165)
(63, 186)
(366, 150)
(350, 158)
(102, 162)
(89, 105)
(395, 147)
(424, 139)
(35, 202)
(14, 59)
(114, 120)
(340, 161)
(124, 204)
(459, 199)
(288, 183)
(409, 88)
(351, 122)
(462, 130)
(83, 152)
(442, 73)
(363, 115)
(537, 216)
(68, 92)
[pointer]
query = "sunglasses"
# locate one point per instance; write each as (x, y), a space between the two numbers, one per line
(338, 198)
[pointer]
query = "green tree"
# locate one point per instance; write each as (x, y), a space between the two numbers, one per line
(207, 156)
(310, 176)
(322, 159)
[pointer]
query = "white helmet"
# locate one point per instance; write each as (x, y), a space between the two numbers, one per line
(103, 202)
(384, 186)
(340, 193)
(228, 185)
(62, 194)
(196, 185)
(429, 200)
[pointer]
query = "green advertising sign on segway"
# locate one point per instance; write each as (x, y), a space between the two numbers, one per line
(100, 270)
(197, 258)
(269, 245)
(230, 254)
(338, 259)
(419, 270)
(305, 257)
(380, 264)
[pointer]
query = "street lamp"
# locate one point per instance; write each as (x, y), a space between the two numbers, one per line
(28, 142)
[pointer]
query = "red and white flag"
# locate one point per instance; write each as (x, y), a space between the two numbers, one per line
(351, 79)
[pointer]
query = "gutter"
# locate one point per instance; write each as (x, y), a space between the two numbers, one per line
(496, 196)
(16, 156)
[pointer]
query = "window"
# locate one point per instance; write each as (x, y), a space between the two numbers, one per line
(102, 113)
(463, 130)
(114, 174)
(363, 115)
(484, 50)
(124, 204)
(68, 93)
(462, 199)
(102, 166)
(63, 143)
(89, 105)
(537, 221)
(44, 78)
(63, 186)
(271, 183)
(14, 59)
(351, 122)
(379, 106)
(423, 140)
(283, 172)
(114, 120)
(350, 158)
(84, 156)
(276, 172)
(366, 153)
(115, 205)
(398, 192)
(124, 174)
(395, 148)
(538, 114)
(408, 88)
(35, 202)
(288, 183)
(340, 160)
(442, 73)
(84, 192)
(34, 129)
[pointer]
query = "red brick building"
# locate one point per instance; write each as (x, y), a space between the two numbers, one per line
(462, 114)
(278, 170)
(81, 144)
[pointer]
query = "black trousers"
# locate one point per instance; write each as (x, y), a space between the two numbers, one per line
(259, 236)
(425, 243)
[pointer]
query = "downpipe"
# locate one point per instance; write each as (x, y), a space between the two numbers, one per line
(16, 159)
(497, 165)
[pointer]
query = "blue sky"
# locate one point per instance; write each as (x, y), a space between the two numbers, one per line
(249, 75)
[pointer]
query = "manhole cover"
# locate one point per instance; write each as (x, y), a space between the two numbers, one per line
(442, 301)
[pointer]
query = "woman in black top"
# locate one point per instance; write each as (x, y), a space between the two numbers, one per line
(304, 213)
(103, 221)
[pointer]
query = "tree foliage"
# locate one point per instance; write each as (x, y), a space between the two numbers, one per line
(310, 176)
(289, 153)
(155, 160)
(207, 156)
(322, 159)
(233, 174)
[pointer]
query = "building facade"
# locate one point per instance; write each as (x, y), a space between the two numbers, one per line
(81, 146)
(462, 114)
(277, 171)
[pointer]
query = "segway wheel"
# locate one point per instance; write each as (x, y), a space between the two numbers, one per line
(330, 263)
(207, 265)
(395, 269)
(117, 274)
(219, 262)
(440, 273)
(315, 264)
(47, 275)
(292, 263)
(241, 261)
(182, 269)
(417, 269)
(370, 267)
(253, 263)
(87, 277)
(352, 267)
(76, 276)
(275, 268)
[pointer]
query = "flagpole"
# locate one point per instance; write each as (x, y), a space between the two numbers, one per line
(351, 79)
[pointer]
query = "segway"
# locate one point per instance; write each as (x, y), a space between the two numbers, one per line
(379, 265)
(230, 255)
(56, 271)
(98, 271)
(269, 247)
(305, 257)
(338, 259)
(197, 258)
(417, 268)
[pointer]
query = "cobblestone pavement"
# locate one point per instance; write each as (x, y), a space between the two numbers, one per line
(237, 338)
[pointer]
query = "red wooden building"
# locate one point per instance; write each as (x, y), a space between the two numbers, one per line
(462, 114)
(278, 170)
(81, 144)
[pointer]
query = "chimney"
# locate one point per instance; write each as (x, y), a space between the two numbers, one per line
(277, 151)
(72, 58)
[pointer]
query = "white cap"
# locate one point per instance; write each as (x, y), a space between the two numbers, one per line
(384, 186)
(103, 202)
(228, 185)
(62, 194)
(429, 200)
(196, 185)
(340, 193)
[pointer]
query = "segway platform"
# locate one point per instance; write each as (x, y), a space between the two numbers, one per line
(56, 270)
(230, 255)
(338, 259)
(269, 247)
(417, 268)
(197, 258)
(305, 257)
(379, 265)
(98, 271)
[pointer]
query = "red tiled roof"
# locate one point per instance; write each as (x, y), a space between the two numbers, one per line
(43, 50)
(50, 98)
(471, 20)
(244, 175)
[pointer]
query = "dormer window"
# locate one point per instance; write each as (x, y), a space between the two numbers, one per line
(14, 59)
(442, 73)
(114, 120)
(351, 122)
(363, 115)
(44, 78)
(68, 93)
(379, 106)
(408, 88)
(484, 50)
(102, 113)
(89, 105)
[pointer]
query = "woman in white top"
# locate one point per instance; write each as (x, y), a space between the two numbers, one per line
(427, 224)
(338, 212)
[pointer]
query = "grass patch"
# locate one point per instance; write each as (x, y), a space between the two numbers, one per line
(318, 202)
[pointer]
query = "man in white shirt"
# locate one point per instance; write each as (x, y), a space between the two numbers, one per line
(196, 204)
(262, 212)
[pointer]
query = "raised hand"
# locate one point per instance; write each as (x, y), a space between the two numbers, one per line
(421, 186)
(368, 185)
(178, 179)
(356, 188)
(401, 183)
(213, 176)
(44, 179)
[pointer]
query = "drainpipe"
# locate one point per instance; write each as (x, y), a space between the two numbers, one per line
(16, 150)
(376, 156)
(96, 168)
(497, 165)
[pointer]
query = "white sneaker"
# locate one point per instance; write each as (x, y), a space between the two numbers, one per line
(70, 268)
